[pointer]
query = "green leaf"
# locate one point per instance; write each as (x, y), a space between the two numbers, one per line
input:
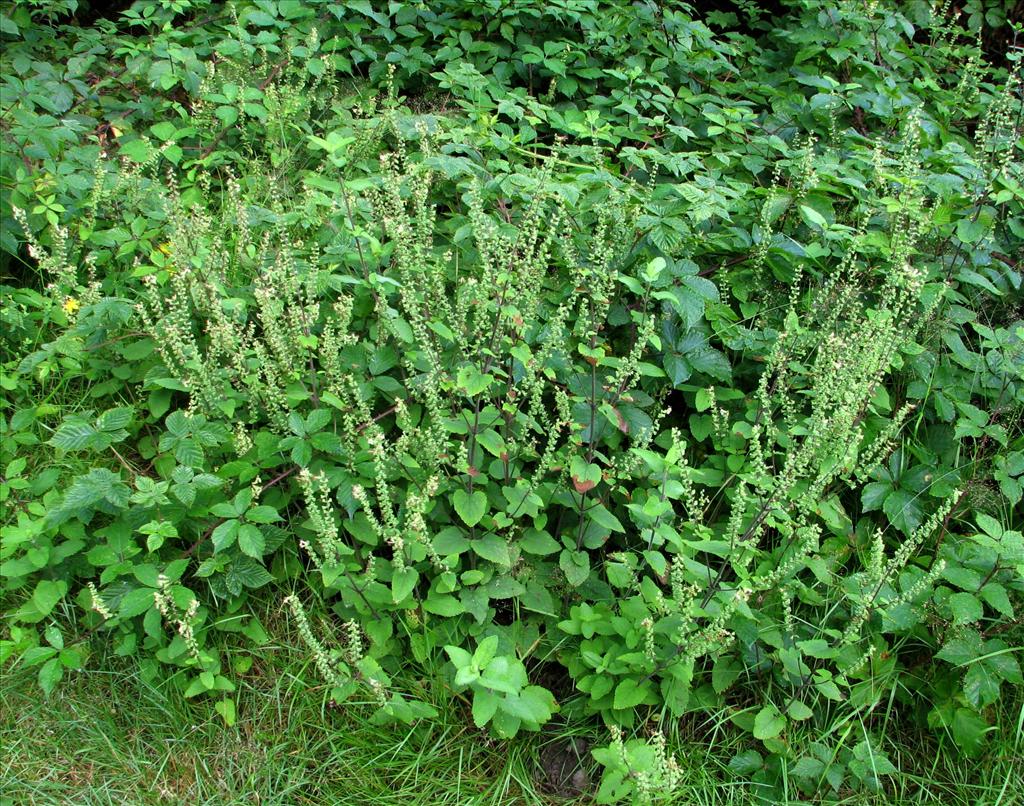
(654, 269)
(226, 709)
(402, 584)
(46, 595)
(969, 729)
(136, 602)
(995, 596)
(535, 541)
(768, 723)
(963, 650)
(472, 381)
(989, 525)
(484, 705)
(73, 436)
(259, 18)
(459, 657)
(136, 150)
(629, 694)
(970, 231)
(725, 672)
(575, 565)
(807, 768)
(981, 685)
(450, 541)
(812, 216)
(966, 608)
(485, 651)
(443, 604)
(262, 514)
(115, 419)
(54, 637)
(224, 535)
(538, 599)
(471, 507)
(1001, 661)
(494, 548)
(251, 541)
(873, 495)
(163, 131)
(247, 572)
(903, 510)
(504, 674)
(602, 517)
(37, 654)
(534, 705)
(746, 763)
(50, 674)
(816, 648)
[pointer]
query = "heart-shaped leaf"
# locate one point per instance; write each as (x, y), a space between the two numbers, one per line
(471, 507)
(585, 476)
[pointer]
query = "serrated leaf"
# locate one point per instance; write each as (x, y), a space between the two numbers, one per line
(224, 535)
(247, 572)
(960, 651)
(989, 525)
(74, 436)
(873, 495)
(585, 475)
(50, 674)
(995, 596)
(136, 602)
(472, 381)
(903, 510)
(725, 672)
(492, 547)
(602, 517)
(629, 694)
(115, 419)
(970, 230)
(262, 514)
(747, 762)
(534, 705)
(966, 608)
(969, 729)
(450, 542)
(981, 685)
(251, 541)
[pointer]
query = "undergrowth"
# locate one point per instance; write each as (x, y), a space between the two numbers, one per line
(590, 385)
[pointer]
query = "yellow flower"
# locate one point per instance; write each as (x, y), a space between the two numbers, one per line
(71, 305)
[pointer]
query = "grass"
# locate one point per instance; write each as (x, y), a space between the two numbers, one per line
(108, 737)
(105, 736)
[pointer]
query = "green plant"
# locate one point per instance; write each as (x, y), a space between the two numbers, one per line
(669, 367)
